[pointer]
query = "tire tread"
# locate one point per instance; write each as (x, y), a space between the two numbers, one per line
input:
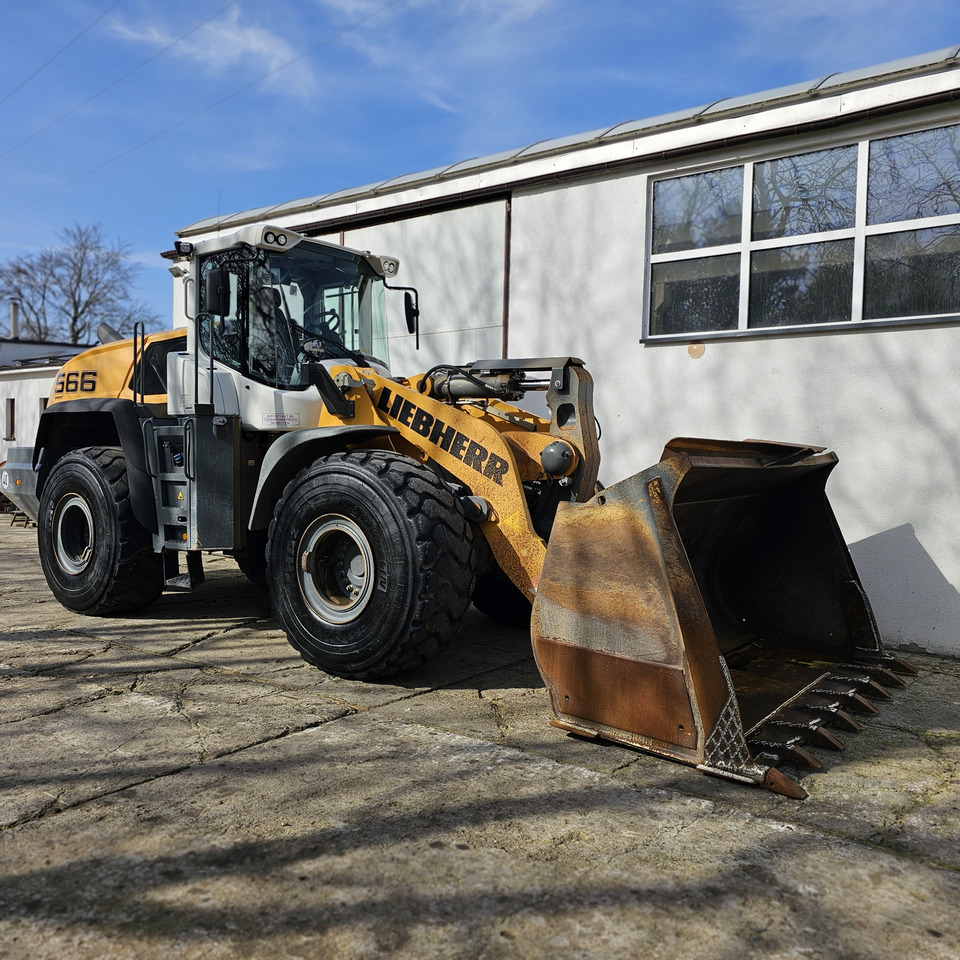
(444, 542)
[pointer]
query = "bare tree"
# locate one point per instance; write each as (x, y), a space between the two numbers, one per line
(66, 291)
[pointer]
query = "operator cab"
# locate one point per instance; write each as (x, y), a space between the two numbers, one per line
(283, 302)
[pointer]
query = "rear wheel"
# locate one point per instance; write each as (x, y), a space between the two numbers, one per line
(497, 597)
(369, 563)
(252, 561)
(96, 556)
(494, 593)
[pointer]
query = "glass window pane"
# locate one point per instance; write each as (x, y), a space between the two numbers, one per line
(808, 193)
(695, 296)
(912, 274)
(807, 283)
(702, 210)
(914, 176)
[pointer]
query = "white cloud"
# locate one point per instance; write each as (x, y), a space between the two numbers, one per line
(472, 58)
(226, 44)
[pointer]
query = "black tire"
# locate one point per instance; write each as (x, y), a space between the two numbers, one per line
(96, 556)
(370, 563)
(253, 561)
(496, 596)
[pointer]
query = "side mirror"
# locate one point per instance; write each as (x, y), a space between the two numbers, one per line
(411, 311)
(216, 293)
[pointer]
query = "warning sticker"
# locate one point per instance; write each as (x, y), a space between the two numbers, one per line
(280, 420)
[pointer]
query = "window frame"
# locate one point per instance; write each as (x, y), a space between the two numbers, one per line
(859, 137)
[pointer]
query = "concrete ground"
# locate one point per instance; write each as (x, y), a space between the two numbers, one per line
(178, 783)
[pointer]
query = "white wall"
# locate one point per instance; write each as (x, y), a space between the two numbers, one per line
(885, 400)
(455, 260)
(28, 389)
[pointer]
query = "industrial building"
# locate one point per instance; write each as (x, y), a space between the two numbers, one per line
(783, 266)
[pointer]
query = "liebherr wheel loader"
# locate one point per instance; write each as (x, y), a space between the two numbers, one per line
(705, 609)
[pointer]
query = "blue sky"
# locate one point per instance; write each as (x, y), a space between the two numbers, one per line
(146, 116)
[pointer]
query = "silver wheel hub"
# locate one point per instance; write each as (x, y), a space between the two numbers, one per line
(335, 568)
(73, 538)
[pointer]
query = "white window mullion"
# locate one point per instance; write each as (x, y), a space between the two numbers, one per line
(746, 230)
(859, 237)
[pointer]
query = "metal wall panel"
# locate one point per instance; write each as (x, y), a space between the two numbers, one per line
(455, 259)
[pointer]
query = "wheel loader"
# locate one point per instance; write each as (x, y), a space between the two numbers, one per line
(705, 610)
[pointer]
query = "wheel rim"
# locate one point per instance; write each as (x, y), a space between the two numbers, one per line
(73, 537)
(336, 571)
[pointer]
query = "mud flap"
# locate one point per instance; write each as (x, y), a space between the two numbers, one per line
(708, 610)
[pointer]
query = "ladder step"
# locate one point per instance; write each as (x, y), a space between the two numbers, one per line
(176, 580)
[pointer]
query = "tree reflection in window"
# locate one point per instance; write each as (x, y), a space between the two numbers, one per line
(914, 176)
(816, 228)
(702, 210)
(807, 283)
(912, 274)
(694, 296)
(808, 193)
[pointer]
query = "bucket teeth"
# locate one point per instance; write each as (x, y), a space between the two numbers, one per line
(810, 729)
(900, 666)
(882, 674)
(864, 683)
(782, 736)
(846, 694)
(831, 710)
(773, 754)
(782, 783)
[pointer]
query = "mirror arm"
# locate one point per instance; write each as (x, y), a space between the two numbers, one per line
(411, 309)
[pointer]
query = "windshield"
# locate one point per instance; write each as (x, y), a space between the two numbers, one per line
(278, 302)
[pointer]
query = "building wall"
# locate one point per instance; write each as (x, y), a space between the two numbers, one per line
(578, 283)
(455, 260)
(28, 390)
(883, 398)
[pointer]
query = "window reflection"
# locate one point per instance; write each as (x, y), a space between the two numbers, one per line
(809, 283)
(912, 274)
(809, 193)
(703, 210)
(797, 276)
(914, 176)
(695, 295)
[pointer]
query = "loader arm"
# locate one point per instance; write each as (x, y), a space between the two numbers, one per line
(496, 450)
(706, 609)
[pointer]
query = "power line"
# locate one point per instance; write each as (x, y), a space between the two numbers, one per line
(203, 110)
(119, 79)
(69, 43)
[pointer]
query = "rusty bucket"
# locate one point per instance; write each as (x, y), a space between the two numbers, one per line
(708, 610)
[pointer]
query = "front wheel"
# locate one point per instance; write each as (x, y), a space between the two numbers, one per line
(370, 564)
(96, 556)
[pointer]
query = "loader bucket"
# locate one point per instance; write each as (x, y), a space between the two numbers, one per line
(708, 610)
